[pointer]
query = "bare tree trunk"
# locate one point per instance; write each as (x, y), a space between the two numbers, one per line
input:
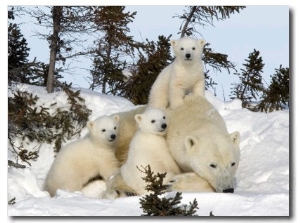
(104, 79)
(188, 20)
(56, 15)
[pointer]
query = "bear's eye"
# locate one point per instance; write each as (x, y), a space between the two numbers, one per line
(115, 128)
(193, 48)
(164, 117)
(213, 165)
(181, 48)
(103, 130)
(232, 164)
(152, 121)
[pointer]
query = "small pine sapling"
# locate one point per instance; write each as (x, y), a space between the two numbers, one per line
(156, 204)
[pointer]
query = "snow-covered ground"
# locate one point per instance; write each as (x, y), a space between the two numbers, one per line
(262, 179)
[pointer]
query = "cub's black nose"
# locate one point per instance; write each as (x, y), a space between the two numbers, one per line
(229, 190)
(188, 55)
(164, 126)
(113, 136)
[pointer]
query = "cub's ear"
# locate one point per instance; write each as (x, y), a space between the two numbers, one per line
(90, 125)
(235, 137)
(190, 142)
(173, 42)
(138, 118)
(116, 117)
(202, 42)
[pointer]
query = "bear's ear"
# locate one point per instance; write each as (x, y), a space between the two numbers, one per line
(138, 118)
(202, 42)
(235, 137)
(189, 142)
(173, 42)
(90, 125)
(116, 117)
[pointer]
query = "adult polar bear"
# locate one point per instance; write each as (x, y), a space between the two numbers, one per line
(184, 75)
(200, 144)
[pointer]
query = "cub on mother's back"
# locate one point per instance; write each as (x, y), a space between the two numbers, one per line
(183, 76)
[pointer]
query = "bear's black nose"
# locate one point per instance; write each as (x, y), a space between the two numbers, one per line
(188, 55)
(164, 126)
(229, 190)
(113, 136)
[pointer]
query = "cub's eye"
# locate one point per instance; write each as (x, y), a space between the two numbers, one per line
(103, 130)
(213, 165)
(152, 121)
(181, 48)
(232, 164)
(193, 48)
(164, 117)
(115, 128)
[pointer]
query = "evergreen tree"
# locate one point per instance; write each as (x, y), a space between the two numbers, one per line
(250, 85)
(17, 55)
(156, 204)
(155, 57)
(276, 96)
(113, 46)
(204, 15)
(70, 26)
(20, 69)
(27, 120)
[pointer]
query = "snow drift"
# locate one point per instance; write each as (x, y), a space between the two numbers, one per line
(262, 179)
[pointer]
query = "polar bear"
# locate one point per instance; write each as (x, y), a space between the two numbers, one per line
(183, 76)
(148, 147)
(200, 143)
(87, 159)
(127, 128)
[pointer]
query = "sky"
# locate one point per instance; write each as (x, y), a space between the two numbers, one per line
(237, 37)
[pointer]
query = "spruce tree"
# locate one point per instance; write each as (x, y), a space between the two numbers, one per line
(27, 120)
(250, 86)
(276, 96)
(157, 204)
(204, 15)
(17, 55)
(113, 46)
(70, 26)
(154, 57)
(20, 69)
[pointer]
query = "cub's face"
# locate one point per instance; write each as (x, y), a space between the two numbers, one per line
(104, 128)
(188, 49)
(215, 158)
(152, 121)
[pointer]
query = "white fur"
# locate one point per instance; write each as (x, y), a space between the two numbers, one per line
(199, 142)
(148, 147)
(197, 137)
(183, 76)
(86, 158)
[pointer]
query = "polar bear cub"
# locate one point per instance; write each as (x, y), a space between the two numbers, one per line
(87, 159)
(148, 147)
(183, 76)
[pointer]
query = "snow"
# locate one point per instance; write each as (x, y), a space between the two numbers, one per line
(262, 180)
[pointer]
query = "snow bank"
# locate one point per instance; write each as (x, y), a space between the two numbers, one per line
(262, 179)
